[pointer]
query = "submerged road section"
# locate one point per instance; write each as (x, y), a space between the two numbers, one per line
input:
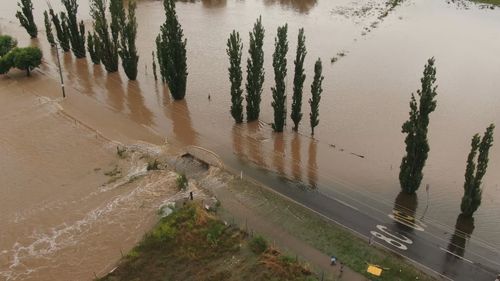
(424, 243)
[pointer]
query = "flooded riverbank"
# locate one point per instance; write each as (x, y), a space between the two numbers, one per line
(358, 144)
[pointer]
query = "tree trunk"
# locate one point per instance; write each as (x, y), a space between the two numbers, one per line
(28, 72)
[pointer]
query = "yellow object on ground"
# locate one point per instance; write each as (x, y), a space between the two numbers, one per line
(377, 271)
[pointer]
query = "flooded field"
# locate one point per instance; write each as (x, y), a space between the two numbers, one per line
(358, 145)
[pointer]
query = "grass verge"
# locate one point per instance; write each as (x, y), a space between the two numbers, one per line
(192, 244)
(325, 236)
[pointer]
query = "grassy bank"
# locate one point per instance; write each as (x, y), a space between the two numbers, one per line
(492, 2)
(192, 244)
(325, 236)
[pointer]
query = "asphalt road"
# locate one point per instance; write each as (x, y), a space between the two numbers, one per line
(453, 256)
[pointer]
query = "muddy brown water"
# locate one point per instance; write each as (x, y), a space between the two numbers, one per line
(358, 144)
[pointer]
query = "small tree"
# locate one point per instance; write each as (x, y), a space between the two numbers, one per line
(298, 80)
(7, 43)
(25, 17)
(474, 174)
(4, 65)
(48, 29)
(234, 50)
(171, 51)
(25, 58)
(316, 90)
(93, 47)
(128, 50)
(108, 43)
(255, 71)
(417, 147)
(76, 31)
(61, 30)
(279, 65)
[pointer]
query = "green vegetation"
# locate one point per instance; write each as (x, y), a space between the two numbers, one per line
(171, 52)
(7, 43)
(324, 235)
(75, 30)
(154, 66)
(192, 244)
(182, 182)
(106, 43)
(26, 59)
(93, 46)
(279, 65)
(48, 29)
(234, 51)
(316, 90)
(255, 71)
(62, 32)
(258, 244)
(128, 50)
(492, 2)
(474, 174)
(25, 17)
(417, 146)
(298, 80)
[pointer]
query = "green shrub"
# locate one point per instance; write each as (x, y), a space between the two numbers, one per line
(258, 244)
(7, 43)
(182, 182)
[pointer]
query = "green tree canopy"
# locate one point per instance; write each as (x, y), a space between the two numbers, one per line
(417, 146)
(255, 71)
(234, 51)
(26, 58)
(7, 43)
(25, 17)
(279, 65)
(298, 80)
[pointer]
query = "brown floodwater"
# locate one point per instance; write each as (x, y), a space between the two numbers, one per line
(358, 144)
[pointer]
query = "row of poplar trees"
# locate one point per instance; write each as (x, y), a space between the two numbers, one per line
(256, 73)
(105, 44)
(417, 146)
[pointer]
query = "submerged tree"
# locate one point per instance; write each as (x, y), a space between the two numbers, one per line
(25, 58)
(93, 47)
(171, 51)
(474, 174)
(279, 65)
(234, 51)
(61, 30)
(25, 17)
(298, 80)
(154, 66)
(316, 90)
(76, 31)
(417, 147)
(128, 50)
(48, 29)
(108, 43)
(255, 71)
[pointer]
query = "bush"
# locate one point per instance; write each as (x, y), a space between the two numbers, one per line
(24, 58)
(153, 165)
(258, 244)
(7, 43)
(182, 182)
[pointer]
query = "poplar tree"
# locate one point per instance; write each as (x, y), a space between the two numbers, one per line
(255, 71)
(48, 29)
(25, 17)
(154, 66)
(234, 51)
(171, 51)
(93, 46)
(417, 146)
(316, 90)
(108, 43)
(474, 174)
(128, 50)
(298, 80)
(76, 31)
(61, 30)
(279, 65)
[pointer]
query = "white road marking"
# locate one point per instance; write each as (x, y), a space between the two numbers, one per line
(346, 204)
(451, 253)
